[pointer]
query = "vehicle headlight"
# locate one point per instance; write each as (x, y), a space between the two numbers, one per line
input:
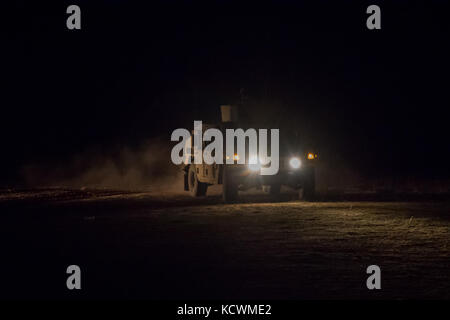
(235, 157)
(253, 164)
(295, 163)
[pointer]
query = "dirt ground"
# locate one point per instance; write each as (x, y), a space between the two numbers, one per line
(169, 246)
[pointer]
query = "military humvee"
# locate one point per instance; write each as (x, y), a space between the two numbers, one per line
(296, 170)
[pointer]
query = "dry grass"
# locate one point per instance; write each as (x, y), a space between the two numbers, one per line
(170, 246)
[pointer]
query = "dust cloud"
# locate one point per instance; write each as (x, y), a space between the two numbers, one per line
(145, 167)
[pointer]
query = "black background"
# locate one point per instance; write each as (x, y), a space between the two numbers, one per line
(376, 99)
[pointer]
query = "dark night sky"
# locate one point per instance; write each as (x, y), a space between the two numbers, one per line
(377, 99)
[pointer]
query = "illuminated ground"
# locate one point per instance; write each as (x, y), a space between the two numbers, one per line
(158, 246)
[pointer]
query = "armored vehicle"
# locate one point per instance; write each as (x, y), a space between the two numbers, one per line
(296, 169)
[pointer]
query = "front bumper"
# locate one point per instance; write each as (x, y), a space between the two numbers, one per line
(294, 178)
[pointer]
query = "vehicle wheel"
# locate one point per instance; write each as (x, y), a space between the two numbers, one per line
(275, 189)
(196, 188)
(300, 194)
(309, 185)
(230, 186)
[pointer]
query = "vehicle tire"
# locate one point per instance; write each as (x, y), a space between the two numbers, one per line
(309, 184)
(275, 189)
(230, 186)
(196, 188)
(300, 194)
